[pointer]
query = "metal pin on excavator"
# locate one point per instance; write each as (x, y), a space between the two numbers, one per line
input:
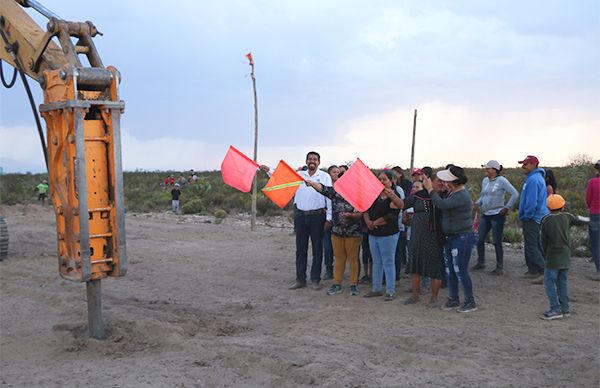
(82, 111)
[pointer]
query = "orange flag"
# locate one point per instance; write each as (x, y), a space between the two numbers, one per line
(359, 186)
(238, 170)
(283, 184)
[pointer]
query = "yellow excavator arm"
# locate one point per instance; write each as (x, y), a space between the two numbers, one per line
(82, 111)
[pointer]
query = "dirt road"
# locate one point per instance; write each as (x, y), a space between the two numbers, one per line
(207, 305)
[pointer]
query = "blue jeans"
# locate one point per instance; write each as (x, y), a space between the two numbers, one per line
(328, 251)
(457, 252)
(400, 254)
(366, 255)
(534, 256)
(175, 206)
(594, 231)
(557, 289)
(309, 226)
(494, 223)
(383, 252)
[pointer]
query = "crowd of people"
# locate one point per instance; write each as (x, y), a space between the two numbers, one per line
(429, 224)
(175, 185)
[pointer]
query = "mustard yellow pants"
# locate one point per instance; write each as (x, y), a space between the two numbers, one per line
(345, 249)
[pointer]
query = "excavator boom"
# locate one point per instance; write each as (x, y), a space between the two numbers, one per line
(82, 110)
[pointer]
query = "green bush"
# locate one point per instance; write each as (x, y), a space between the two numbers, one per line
(193, 206)
(513, 235)
(145, 192)
(220, 213)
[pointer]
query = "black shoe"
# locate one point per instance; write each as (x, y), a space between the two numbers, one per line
(372, 294)
(467, 307)
(297, 285)
(365, 279)
(451, 305)
(497, 272)
(478, 266)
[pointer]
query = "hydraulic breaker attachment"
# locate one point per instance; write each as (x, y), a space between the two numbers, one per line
(82, 111)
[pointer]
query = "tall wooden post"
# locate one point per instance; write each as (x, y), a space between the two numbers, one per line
(412, 151)
(255, 183)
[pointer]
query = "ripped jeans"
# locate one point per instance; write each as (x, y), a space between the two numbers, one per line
(457, 252)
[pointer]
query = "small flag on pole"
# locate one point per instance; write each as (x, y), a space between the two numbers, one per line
(249, 56)
(359, 186)
(283, 184)
(238, 170)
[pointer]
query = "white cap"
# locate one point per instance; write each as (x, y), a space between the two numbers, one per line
(446, 176)
(492, 164)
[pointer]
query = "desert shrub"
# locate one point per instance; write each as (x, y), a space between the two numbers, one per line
(513, 235)
(220, 215)
(19, 188)
(193, 206)
(144, 190)
(139, 200)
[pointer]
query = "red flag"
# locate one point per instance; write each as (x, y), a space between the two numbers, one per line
(238, 170)
(249, 56)
(283, 184)
(359, 186)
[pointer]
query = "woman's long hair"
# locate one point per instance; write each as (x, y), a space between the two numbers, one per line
(390, 176)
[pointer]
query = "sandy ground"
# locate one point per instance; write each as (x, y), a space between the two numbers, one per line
(207, 305)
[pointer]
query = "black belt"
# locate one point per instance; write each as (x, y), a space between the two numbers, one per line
(311, 212)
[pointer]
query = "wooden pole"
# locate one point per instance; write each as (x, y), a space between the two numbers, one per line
(255, 183)
(412, 152)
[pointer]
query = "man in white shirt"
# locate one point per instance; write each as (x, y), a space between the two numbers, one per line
(312, 211)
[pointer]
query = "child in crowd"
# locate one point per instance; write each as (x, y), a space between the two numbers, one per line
(555, 230)
(175, 193)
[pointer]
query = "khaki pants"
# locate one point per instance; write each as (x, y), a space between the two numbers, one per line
(345, 248)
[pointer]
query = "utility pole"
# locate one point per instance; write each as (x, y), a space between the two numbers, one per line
(412, 152)
(255, 183)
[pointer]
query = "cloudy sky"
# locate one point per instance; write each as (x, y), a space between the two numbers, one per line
(491, 80)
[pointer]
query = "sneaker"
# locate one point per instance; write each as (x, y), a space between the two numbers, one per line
(334, 289)
(551, 314)
(497, 272)
(365, 279)
(372, 294)
(538, 280)
(353, 290)
(478, 266)
(530, 274)
(566, 313)
(316, 286)
(410, 300)
(389, 296)
(467, 307)
(451, 305)
(297, 285)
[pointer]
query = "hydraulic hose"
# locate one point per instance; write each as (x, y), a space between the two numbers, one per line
(19, 68)
(10, 84)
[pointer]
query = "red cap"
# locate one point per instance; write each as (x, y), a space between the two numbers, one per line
(530, 159)
(416, 171)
